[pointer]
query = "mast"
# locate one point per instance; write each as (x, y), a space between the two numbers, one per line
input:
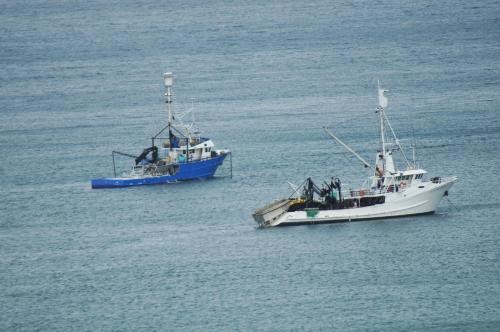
(168, 81)
(414, 162)
(382, 104)
(413, 146)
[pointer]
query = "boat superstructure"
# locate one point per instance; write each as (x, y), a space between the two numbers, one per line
(181, 155)
(388, 192)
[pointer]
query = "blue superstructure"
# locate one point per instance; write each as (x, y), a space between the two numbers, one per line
(183, 155)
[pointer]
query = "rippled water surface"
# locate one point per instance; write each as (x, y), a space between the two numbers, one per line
(79, 79)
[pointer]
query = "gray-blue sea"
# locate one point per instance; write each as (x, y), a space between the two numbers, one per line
(79, 79)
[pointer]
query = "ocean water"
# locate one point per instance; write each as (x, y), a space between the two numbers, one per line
(79, 79)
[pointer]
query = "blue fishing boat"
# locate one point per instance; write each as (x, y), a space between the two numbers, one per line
(180, 156)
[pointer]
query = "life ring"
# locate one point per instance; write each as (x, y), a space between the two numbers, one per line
(402, 185)
(361, 193)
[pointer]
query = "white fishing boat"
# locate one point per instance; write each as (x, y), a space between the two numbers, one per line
(389, 192)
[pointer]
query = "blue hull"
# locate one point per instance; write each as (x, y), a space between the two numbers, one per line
(187, 171)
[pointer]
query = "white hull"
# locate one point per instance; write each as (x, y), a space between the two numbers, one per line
(415, 200)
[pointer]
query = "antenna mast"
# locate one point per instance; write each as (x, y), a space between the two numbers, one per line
(168, 81)
(382, 104)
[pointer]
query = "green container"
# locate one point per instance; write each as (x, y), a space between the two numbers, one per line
(312, 212)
